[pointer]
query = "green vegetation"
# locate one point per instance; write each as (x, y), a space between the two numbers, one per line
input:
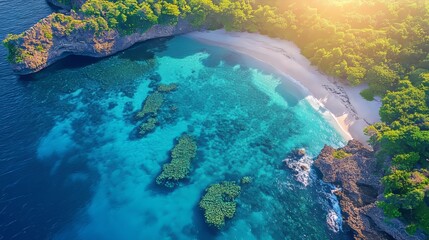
(340, 154)
(15, 53)
(181, 156)
(403, 137)
(405, 192)
(367, 94)
(378, 42)
(47, 32)
(421, 216)
(218, 203)
(151, 105)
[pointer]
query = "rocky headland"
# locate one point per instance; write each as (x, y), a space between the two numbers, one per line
(354, 171)
(51, 40)
(72, 33)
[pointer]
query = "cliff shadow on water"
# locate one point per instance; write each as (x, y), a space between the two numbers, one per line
(142, 51)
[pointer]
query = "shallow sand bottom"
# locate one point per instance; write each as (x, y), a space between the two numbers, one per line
(352, 113)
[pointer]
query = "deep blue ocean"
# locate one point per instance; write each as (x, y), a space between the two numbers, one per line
(72, 165)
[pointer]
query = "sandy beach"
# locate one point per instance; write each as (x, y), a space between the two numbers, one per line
(347, 110)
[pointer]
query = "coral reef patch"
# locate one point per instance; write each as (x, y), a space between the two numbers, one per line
(218, 203)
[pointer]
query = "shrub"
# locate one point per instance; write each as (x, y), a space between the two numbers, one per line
(422, 217)
(39, 47)
(218, 203)
(16, 54)
(406, 161)
(389, 209)
(411, 229)
(47, 32)
(367, 94)
(340, 154)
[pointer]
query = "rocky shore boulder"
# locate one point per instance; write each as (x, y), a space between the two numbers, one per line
(353, 169)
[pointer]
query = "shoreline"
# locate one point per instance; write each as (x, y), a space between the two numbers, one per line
(347, 111)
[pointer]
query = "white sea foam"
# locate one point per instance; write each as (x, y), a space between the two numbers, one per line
(331, 204)
(302, 169)
(332, 220)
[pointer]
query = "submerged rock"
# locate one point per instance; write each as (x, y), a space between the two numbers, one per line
(299, 153)
(301, 165)
(358, 177)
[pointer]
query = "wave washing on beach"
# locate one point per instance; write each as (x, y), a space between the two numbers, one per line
(352, 113)
(301, 166)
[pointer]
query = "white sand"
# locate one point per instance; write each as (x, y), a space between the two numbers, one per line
(351, 113)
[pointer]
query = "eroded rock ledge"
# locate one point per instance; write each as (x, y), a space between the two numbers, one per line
(357, 176)
(58, 36)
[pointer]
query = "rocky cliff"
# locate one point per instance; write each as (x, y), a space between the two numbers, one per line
(353, 169)
(58, 36)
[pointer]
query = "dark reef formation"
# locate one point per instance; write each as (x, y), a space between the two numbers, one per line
(358, 178)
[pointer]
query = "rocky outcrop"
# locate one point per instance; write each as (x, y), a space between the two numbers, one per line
(358, 179)
(58, 36)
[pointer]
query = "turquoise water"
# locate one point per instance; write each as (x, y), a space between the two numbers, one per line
(245, 119)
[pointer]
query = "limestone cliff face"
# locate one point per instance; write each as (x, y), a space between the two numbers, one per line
(56, 37)
(358, 177)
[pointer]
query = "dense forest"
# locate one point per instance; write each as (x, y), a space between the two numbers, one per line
(384, 43)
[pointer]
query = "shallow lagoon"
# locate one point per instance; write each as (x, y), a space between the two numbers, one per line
(245, 118)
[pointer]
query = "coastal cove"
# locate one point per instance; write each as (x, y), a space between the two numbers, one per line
(207, 119)
(122, 83)
(90, 121)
